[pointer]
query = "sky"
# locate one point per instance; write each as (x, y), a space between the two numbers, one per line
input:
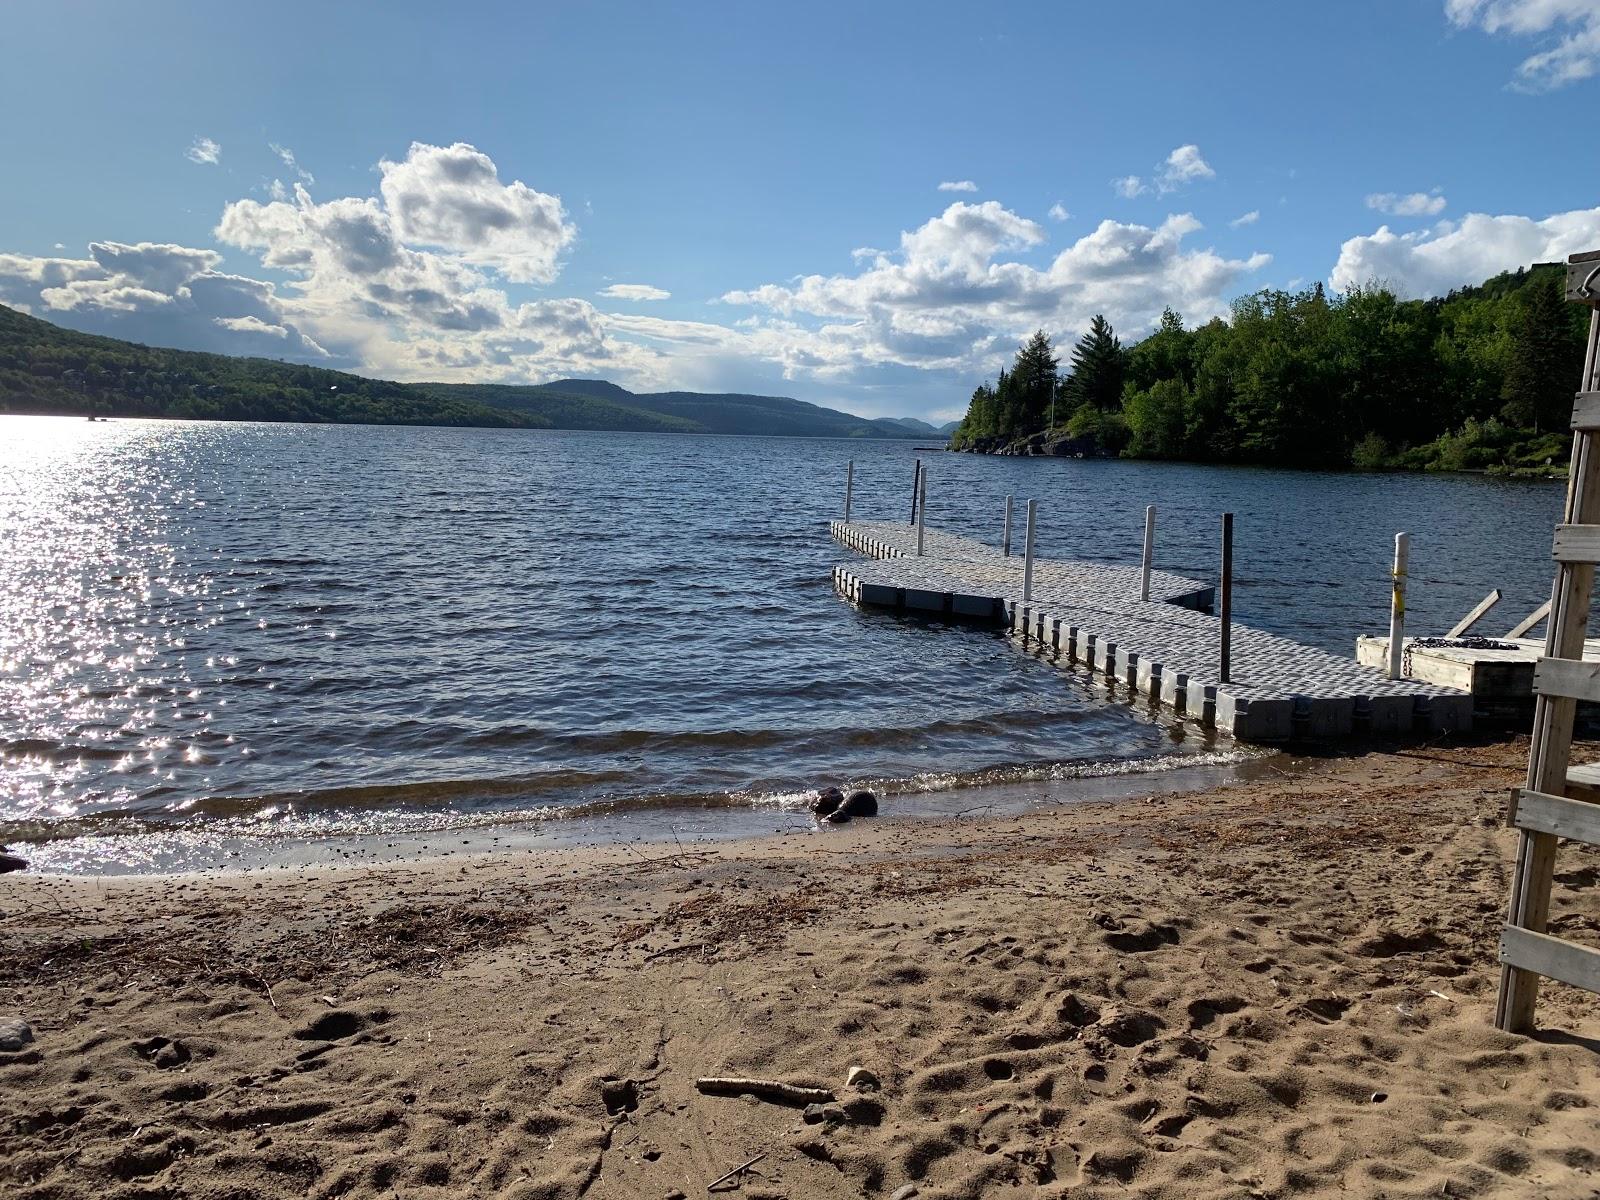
(863, 205)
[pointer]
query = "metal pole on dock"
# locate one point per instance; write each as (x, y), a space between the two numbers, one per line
(1397, 606)
(1225, 606)
(1149, 547)
(922, 506)
(1005, 534)
(849, 484)
(916, 479)
(1027, 554)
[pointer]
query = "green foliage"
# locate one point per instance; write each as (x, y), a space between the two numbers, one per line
(1481, 379)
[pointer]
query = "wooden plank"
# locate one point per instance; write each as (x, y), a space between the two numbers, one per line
(1577, 544)
(1550, 957)
(1586, 411)
(1543, 813)
(1529, 621)
(1561, 678)
(1473, 617)
(1583, 775)
(1583, 278)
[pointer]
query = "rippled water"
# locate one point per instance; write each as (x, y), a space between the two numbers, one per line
(320, 629)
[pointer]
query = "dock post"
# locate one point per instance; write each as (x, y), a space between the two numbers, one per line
(1005, 533)
(921, 504)
(1397, 606)
(916, 481)
(1149, 546)
(1225, 607)
(1027, 553)
(849, 484)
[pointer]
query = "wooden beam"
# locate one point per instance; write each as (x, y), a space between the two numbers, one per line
(1543, 813)
(1562, 678)
(1577, 544)
(1476, 615)
(1529, 621)
(1551, 957)
(1583, 278)
(1586, 411)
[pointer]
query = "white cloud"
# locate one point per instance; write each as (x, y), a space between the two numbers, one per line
(1570, 30)
(1184, 165)
(1058, 212)
(286, 155)
(634, 291)
(1416, 204)
(861, 252)
(204, 150)
(958, 185)
(451, 197)
(1243, 219)
(1129, 186)
(1454, 253)
(950, 299)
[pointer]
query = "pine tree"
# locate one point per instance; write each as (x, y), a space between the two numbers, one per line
(1098, 365)
(1034, 378)
(1538, 385)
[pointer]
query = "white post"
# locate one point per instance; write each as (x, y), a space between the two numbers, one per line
(922, 505)
(1397, 608)
(1149, 548)
(1005, 535)
(1027, 554)
(849, 483)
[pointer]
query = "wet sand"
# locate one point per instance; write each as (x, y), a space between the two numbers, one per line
(1279, 987)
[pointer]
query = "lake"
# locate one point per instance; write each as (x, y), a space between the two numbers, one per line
(214, 635)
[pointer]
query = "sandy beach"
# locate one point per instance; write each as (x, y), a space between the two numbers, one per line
(1278, 988)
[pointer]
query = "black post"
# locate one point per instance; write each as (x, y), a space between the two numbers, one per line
(1225, 605)
(916, 480)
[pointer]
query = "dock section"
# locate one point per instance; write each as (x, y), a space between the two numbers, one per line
(1165, 648)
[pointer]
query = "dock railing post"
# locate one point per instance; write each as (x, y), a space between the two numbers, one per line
(916, 482)
(1005, 533)
(1397, 606)
(922, 506)
(1149, 548)
(1027, 553)
(1225, 604)
(849, 484)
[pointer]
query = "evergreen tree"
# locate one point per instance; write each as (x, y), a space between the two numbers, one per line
(1539, 378)
(1098, 365)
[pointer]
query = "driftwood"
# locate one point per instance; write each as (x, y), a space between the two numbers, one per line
(765, 1089)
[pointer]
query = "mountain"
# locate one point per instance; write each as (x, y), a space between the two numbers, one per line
(47, 369)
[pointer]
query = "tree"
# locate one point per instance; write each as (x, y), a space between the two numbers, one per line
(1098, 366)
(1539, 378)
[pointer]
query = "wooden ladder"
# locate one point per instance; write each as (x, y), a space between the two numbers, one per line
(1545, 810)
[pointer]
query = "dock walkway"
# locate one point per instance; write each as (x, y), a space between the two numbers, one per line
(1164, 648)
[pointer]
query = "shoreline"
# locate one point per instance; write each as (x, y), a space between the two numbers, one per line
(1277, 986)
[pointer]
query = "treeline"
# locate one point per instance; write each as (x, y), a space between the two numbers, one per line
(1481, 379)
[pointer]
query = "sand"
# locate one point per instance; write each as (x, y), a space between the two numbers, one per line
(1277, 988)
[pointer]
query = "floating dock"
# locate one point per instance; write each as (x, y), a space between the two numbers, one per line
(1164, 648)
(1498, 672)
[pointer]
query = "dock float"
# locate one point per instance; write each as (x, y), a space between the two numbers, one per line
(1165, 648)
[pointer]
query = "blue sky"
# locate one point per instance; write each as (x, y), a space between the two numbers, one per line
(747, 196)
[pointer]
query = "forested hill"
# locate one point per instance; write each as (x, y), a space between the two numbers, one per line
(47, 369)
(1481, 379)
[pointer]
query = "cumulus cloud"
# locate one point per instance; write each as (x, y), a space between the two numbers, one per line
(1416, 204)
(1243, 219)
(1129, 186)
(1569, 31)
(160, 294)
(1058, 212)
(951, 299)
(634, 291)
(451, 198)
(1184, 165)
(204, 150)
(1431, 262)
(958, 185)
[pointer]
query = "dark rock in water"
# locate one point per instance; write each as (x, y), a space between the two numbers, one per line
(828, 800)
(10, 862)
(856, 804)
